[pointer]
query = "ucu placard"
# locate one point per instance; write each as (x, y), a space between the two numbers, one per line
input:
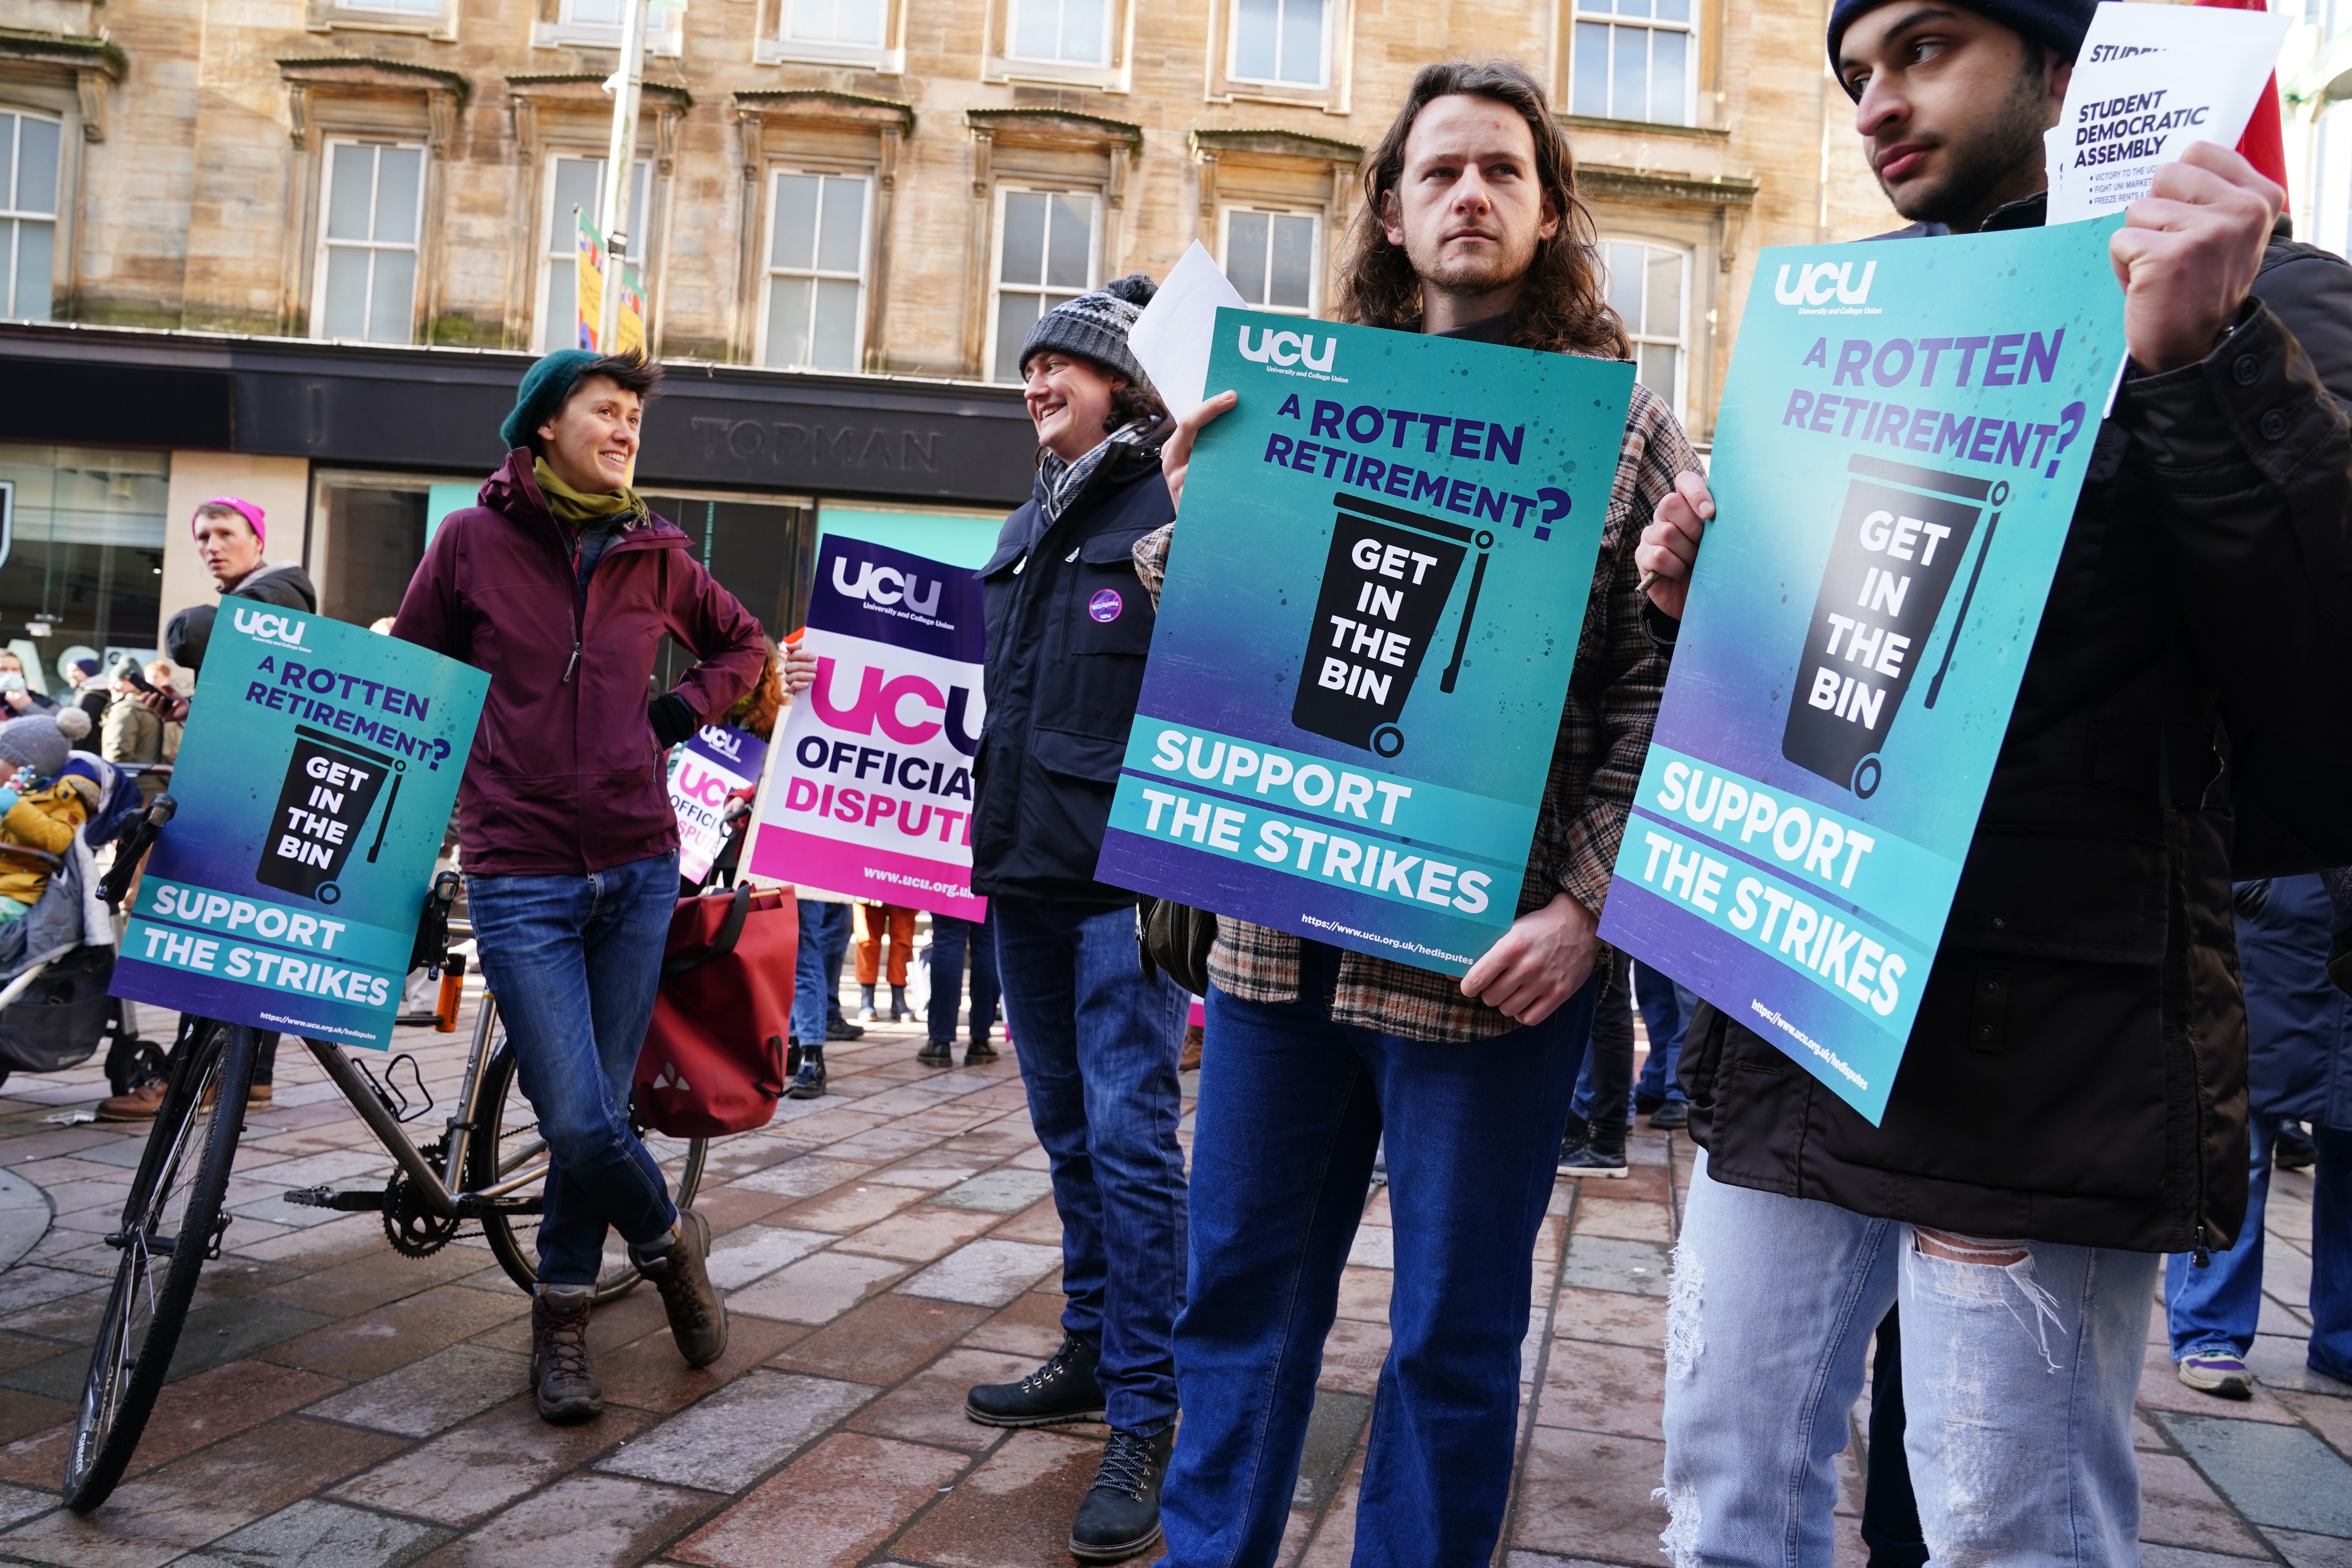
(870, 793)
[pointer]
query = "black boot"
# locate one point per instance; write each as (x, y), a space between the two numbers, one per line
(560, 1377)
(1063, 1389)
(1604, 1153)
(698, 1319)
(979, 1051)
(808, 1082)
(937, 1054)
(1121, 1514)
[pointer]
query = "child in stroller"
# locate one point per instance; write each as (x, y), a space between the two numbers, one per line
(57, 935)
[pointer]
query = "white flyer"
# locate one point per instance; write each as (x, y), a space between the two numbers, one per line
(1170, 339)
(2150, 80)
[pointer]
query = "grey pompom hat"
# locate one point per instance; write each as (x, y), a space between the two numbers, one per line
(1094, 326)
(35, 743)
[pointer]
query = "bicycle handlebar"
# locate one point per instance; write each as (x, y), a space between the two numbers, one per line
(131, 850)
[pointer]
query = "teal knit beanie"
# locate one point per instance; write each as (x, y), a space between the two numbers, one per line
(544, 387)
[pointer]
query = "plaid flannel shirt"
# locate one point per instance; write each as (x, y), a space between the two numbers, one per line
(1604, 735)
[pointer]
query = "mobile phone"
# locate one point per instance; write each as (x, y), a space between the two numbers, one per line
(138, 678)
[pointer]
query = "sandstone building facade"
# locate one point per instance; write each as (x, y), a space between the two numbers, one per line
(830, 192)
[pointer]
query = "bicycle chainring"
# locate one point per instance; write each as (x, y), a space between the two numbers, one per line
(413, 1230)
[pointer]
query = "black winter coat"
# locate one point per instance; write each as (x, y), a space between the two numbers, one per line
(2078, 1072)
(1070, 624)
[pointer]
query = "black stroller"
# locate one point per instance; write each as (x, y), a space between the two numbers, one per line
(57, 959)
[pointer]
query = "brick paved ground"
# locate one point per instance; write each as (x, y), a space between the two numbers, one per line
(883, 1248)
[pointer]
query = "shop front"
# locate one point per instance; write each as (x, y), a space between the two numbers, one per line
(109, 438)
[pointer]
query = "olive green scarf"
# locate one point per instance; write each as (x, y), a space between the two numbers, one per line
(577, 510)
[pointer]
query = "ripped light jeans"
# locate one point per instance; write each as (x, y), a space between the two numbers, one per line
(2018, 1382)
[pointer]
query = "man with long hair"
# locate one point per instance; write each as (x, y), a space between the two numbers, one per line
(1471, 227)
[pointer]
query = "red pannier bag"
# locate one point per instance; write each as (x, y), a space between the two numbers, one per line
(714, 1061)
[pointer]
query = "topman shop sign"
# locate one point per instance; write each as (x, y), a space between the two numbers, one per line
(861, 447)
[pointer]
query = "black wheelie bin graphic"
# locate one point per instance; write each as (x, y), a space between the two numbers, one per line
(1901, 539)
(330, 788)
(1385, 586)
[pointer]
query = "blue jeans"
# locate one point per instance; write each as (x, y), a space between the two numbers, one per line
(1666, 1008)
(1605, 1083)
(950, 939)
(574, 963)
(2017, 1383)
(825, 937)
(1292, 1106)
(1097, 1044)
(2214, 1309)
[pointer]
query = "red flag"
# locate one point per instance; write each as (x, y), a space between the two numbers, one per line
(2264, 142)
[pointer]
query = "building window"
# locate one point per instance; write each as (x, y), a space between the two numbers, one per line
(28, 214)
(1045, 243)
(1071, 31)
(394, 7)
(580, 182)
(1280, 41)
(83, 576)
(1649, 288)
(373, 203)
(1636, 61)
(817, 272)
(846, 22)
(1270, 257)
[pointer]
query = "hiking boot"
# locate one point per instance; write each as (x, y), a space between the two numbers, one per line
(1063, 1389)
(698, 1319)
(2218, 1372)
(865, 1013)
(140, 1105)
(808, 1082)
(936, 1054)
(1188, 1056)
(561, 1378)
(899, 1012)
(1601, 1152)
(256, 1097)
(837, 1028)
(1671, 1117)
(2293, 1150)
(979, 1052)
(792, 1061)
(1121, 1514)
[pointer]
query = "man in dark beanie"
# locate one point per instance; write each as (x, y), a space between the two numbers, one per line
(2072, 1104)
(562, 584)
(1068, 625)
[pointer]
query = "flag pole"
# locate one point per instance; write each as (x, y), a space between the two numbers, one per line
(620, 168)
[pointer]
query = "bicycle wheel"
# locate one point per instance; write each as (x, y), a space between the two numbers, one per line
(171, 1225)
(506, 1145)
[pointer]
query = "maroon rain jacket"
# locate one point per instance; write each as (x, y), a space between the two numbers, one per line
(565, 777)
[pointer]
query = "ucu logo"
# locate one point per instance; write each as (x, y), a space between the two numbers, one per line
(283, 630)
(881, 701)
(1288, 348)
(699, 782)
(1817, 283)
(727, 743)
(884, 585)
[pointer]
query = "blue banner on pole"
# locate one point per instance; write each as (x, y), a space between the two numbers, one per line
(312, 787)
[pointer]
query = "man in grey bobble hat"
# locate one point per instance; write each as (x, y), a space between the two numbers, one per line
(1095, 325)
(1068, 624)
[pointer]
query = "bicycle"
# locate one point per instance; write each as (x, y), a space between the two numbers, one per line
(488, 1167)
